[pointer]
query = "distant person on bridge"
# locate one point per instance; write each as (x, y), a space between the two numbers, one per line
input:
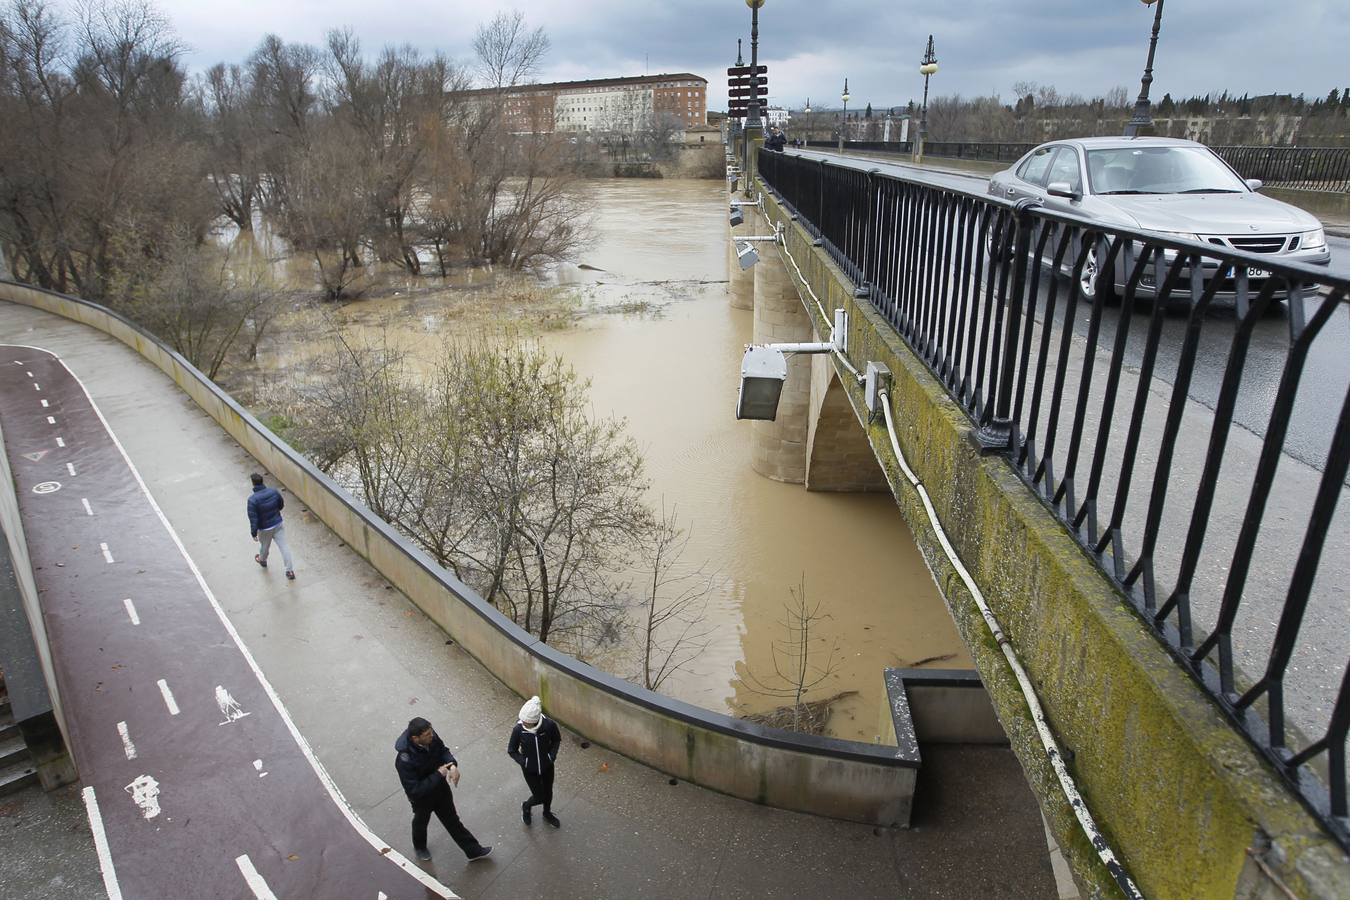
(264, 520)
(776, 140)
(534, 746)
(427, 770)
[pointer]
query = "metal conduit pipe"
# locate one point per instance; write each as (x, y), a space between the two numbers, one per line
(1066, 783)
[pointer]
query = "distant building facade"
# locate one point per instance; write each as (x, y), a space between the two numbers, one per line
(605, 104)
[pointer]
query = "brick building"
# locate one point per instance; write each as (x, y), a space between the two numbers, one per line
(605, 104)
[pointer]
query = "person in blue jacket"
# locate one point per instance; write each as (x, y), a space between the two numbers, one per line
(427, 769)
(534, 746)
(264, 522)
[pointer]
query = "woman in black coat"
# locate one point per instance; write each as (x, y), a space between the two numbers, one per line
(534, 746)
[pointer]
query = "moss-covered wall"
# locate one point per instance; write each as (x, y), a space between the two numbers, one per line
(1179, 794)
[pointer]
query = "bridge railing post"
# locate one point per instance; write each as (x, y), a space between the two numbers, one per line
(995, 434)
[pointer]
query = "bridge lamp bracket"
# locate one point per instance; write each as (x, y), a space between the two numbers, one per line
(764, 371)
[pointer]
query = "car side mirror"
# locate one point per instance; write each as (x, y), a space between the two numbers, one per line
(1062, 189)
(1255, 184)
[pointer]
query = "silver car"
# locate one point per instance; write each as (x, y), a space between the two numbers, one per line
(1177, 188)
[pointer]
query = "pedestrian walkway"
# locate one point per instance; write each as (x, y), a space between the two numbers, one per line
(352, 660)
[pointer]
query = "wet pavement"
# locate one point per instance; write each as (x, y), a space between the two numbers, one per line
(352, 660)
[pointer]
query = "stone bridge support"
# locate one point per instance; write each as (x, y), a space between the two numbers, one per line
(779, 449)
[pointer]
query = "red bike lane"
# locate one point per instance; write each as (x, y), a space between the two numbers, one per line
(197, 781)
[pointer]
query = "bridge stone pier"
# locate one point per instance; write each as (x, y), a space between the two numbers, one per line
(816, 439)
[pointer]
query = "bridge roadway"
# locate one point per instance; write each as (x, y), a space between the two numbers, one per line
(350, 660)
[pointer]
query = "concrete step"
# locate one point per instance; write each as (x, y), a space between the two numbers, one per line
(17, 776)
(13, 749)
(8, 727)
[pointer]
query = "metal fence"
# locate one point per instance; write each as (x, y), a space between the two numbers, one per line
(1178, 406)
(1300, 168)
(1295, 168)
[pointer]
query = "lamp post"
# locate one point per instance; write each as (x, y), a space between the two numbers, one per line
(927, 67)
(844, 122)
(1141, 122)
(752, 108)
(752, 112)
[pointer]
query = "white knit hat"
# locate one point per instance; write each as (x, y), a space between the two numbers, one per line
(531, 711)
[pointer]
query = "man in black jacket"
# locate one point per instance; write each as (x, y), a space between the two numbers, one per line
(534, 746)
(427, 769)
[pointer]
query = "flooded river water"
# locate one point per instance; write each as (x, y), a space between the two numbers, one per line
(662, 347)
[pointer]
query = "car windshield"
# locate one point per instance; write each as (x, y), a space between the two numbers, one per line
(1160, 170)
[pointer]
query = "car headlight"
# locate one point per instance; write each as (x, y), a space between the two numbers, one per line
(1313, 240)
(1187, 235)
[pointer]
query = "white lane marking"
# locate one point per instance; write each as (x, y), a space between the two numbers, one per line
(144, 791)
(70, 467)
(105, 863)
(131, 611)
(127, 746)
(88, 510)
(257, 765)
(230, 707)
(44, 404)
(168, 697)
(382, 896)
(36, 386)
(60, 442)
(107, 554)
(29, 374)
(253, 879)
(334, 792)
(51, 421)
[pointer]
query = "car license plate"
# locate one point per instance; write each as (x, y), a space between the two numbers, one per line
(1257, 273)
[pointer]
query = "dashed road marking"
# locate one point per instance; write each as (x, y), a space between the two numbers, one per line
(168, 697)
(70, 467)
(29, 374)
(44, 404)
(88, 510)
(131, 611)
(105, 863)
(253, 879)
(36, 386)
(51, 421)
(60, 442)
(127, 746)
(107, 554)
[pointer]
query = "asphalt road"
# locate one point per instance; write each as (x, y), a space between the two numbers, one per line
(1322, 392)
(197, 782)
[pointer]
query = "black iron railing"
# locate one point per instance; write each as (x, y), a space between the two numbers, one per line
(1182, 408)
(1300, 168)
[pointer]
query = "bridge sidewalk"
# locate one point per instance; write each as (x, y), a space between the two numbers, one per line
(352, 660)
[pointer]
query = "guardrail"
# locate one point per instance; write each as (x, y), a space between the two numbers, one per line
(1297, 168)
(1105, 420)
(825, 776)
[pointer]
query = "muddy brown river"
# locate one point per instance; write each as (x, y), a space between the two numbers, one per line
(662, 347)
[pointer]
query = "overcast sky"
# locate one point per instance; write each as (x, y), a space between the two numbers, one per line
(983, 46)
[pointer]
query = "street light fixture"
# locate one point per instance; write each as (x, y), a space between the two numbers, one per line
(1141, 122)
(927, 67)
(764, 370)
(844, 122)
(752, 119)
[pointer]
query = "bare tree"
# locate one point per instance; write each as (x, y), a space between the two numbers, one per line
(198, 302)
(508, 53)
(675, 631)
(797, 668)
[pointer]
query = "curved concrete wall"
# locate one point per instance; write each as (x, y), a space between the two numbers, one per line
(824, 776)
